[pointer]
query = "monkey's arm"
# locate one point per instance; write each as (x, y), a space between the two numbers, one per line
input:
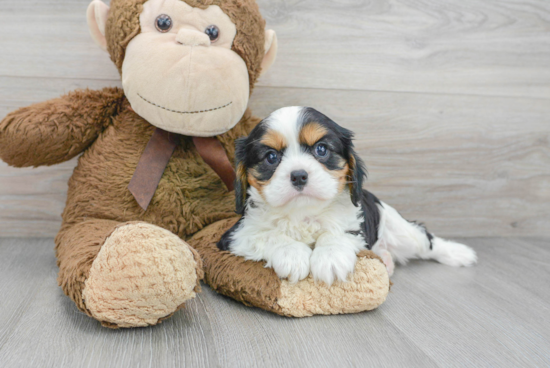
(54, 131)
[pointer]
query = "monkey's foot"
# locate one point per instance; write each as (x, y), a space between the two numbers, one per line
(142, 275)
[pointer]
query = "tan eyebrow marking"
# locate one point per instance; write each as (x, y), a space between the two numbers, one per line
(311, 133)
(274, 140)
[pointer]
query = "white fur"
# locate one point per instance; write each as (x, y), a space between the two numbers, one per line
(321, 185)
(305, 235)
(297, 232)
(334, 256)
(403, 240)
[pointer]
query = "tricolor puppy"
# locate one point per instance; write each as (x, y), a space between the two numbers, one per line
(299, 189)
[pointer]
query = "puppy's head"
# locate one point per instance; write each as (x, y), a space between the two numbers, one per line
(297, 155)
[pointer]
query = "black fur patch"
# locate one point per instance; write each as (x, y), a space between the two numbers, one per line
(251, 153)
(241, 184)
(335, 159)
(430, 238)
(337, 138)
(225, 241)
(371, 217)
(428, 235)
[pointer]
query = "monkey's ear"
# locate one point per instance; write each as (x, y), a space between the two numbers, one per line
(96, 15)
(241, 182)
(357, 173)
(270, 50)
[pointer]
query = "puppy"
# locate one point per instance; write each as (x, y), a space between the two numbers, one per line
(300, 190)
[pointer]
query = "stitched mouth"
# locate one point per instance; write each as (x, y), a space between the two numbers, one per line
(184, 112)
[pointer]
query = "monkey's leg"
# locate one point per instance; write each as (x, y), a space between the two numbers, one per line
(253, 284)
(126, 274)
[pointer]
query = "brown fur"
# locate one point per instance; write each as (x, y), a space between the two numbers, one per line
(142, 274)
(189, 196)
(342, 177)
(312, 133)
(274, 140)
(254, 182)
(242, 180)
(54, 131)
(352, 167)
(101, 125)
(123, 25)
(246, 281)
(77, 248)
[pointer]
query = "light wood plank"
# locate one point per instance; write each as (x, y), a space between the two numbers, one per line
(488, 315)
(493, 314)
(464, 165)
(367, 339)
(467, 47)
(22, 271)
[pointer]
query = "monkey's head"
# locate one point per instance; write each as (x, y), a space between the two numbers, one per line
(187, 66)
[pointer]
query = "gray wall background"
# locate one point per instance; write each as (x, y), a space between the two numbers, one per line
(450, 101)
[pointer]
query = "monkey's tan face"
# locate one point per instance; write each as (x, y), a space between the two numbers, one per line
(180, 73)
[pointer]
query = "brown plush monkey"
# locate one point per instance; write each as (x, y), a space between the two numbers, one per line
(124, 255)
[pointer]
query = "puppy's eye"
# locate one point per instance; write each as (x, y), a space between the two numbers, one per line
(163, 23)
(212, 32)
(272, 158)
(321, 150)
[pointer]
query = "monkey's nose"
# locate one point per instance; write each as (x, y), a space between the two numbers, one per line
(189, 37)
(298, 178)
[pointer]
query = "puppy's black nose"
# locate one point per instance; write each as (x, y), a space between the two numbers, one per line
(298, 178)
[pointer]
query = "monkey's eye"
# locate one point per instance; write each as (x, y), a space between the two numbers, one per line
(212, 32)
(321, 150)
(272, 157)
(163, 23)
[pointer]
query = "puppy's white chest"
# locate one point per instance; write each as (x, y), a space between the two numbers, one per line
(305, 231)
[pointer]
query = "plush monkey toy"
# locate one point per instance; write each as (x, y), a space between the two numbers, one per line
(151, 194)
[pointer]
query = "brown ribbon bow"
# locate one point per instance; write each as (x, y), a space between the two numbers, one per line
(157, 154)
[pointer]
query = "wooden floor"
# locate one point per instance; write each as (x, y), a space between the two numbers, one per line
(494, 314)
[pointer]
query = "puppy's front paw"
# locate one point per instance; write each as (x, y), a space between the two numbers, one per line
(332, 263)
(291, 261)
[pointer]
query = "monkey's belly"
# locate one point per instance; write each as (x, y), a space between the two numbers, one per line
(189, 196)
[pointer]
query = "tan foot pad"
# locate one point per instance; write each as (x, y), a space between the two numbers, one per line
(254, 285)
(142, 275)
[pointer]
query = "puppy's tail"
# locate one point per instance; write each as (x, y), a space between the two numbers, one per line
(406, 240)
(450, 253)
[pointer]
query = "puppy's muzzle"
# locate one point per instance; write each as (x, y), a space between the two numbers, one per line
(298, 178)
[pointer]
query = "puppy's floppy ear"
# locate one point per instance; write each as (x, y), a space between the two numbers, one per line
(357, 169)
(241, 182)
(358, 173)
